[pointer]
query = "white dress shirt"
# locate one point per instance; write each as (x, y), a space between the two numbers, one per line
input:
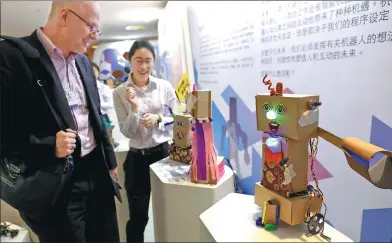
(74, 91)
(105, 96)
(151, 99)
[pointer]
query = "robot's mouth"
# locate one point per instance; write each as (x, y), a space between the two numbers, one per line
(274, 127)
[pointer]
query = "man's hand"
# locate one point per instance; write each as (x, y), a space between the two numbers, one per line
(149, 120)
(65, 143)
(114, 174)
(130, 95)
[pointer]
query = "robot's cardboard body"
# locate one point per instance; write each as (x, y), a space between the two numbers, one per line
(181, 149)
(289, 123)
(206, 165)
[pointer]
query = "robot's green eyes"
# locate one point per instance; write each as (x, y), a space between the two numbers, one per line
(267, 107)
(281, 109)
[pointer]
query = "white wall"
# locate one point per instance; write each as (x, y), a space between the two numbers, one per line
(171, 42)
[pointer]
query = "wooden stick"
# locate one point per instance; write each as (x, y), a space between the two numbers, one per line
(331, 138)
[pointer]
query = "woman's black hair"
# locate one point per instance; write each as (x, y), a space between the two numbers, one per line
(138, 44)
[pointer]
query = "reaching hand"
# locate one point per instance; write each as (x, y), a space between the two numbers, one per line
(149, 120)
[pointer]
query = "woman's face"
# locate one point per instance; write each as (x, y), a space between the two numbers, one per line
(142, 62)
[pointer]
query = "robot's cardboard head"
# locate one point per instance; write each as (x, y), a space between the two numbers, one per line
(291, 115)
(199, 104)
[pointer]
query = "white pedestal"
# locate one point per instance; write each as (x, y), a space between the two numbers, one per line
(177, 203)
(23, 235)
(233, 219)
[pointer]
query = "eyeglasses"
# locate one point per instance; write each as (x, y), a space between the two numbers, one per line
(93, 28)
(140, 61)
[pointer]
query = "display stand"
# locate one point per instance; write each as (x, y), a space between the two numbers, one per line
(233, 219)
(177, 203)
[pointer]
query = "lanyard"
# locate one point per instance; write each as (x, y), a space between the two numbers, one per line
(70, 95)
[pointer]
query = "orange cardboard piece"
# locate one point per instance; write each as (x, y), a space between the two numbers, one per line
(362, 148)
(202, 107)
(292, 210)
(331, 138)
(269, 217)
(379, 173)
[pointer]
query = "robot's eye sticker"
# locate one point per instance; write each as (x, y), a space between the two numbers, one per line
(180, 123)
(281, 109)
(267, 107)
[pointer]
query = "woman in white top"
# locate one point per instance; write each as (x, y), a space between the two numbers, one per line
(105, 93)
(143, 117)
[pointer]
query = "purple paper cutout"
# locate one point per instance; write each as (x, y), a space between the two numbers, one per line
(201, 152)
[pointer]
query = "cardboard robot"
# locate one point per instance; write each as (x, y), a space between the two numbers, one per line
(181, 148)
(206, 166)
(289, 123)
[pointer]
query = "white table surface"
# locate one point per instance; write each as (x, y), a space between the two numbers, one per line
(173, 172)
(233, 219)
(177, 202)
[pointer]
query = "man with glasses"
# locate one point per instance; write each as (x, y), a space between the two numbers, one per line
(50, 100)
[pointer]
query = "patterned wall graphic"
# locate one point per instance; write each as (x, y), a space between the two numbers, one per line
(377, 223)
(112, 60)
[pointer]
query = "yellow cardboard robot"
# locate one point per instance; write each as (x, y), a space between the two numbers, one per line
(289, 123)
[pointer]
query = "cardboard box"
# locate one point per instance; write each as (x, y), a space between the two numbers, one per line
(203, 105)
(181, 130)
(183, 155)
(292, 210)
(288, 115)
(219, 172)
(273, 173)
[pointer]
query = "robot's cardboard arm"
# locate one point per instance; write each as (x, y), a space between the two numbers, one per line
(370, 161)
